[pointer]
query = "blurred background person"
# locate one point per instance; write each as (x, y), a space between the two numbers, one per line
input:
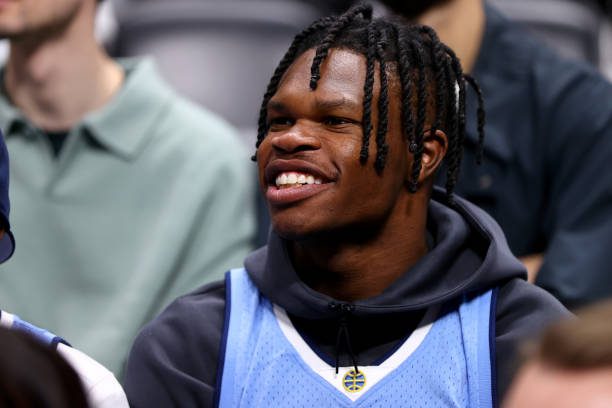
(545, 173)
(125, 194)
(33, 375)
(571, 366)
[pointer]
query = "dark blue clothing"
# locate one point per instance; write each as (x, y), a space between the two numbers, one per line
(175, 358)
(548, 149)
(7, 242)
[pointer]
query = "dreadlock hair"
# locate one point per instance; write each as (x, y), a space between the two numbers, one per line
(430, 78)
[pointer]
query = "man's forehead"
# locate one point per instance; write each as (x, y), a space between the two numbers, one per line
(322, 103)
(343, 69)
(339, 66)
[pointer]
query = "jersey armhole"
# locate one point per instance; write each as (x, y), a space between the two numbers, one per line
(223, 345)
(492, 342)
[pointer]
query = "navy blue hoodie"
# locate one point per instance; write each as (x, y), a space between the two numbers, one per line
(175, 358)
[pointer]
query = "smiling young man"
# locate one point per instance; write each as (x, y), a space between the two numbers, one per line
(375, 289)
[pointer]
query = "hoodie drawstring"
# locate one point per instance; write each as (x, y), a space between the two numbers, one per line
(343, 331)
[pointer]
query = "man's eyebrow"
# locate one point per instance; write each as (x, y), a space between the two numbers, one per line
(320, 104)
(277, 106)
(328, 104)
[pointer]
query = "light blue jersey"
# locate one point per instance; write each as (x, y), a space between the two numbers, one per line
(445, 362)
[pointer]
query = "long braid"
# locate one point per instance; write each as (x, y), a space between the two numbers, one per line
(461, 123)
(405, 76)
(322, 50)
(368, 87)
(457, 153)
(280, 70)
(437, 61)
(480, 113)
(383, 107)
(461, 110)
(417, 145)
(452, 120)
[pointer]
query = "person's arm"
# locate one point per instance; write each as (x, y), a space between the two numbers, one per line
(522, 311)
(173, 362)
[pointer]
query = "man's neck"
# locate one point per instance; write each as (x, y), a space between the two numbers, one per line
(349, 269)
(460, 24)
(56, 79)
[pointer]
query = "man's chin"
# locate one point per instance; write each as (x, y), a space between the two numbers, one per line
(290, 233)
(299, 230)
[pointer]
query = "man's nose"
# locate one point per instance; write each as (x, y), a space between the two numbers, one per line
(300, 137)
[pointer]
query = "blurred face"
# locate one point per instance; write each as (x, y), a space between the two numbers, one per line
(540, 386)
(20, 18)
(309, 168)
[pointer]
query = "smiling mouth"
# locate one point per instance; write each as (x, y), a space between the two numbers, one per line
(293, 179)
(290, 187)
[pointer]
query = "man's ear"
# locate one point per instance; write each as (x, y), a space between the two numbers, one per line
(434, 150)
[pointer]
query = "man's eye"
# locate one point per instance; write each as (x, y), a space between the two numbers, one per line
(335, 121)
(280, 122)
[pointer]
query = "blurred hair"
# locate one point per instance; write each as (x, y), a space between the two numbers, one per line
(581, 343)
(34, 375)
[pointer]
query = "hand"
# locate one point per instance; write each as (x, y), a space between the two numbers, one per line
(533, 263)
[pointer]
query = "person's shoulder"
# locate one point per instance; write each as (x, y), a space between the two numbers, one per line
(197, 130)
(553, 75)
(209, 297)
(190, 320)
(181, 125)
(185, 117)
(101, 387)
(510, 48)
(523, 309)
(195, 139)
(570, 82)
(179, 349)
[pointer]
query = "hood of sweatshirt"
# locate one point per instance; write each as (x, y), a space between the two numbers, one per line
(468, 253)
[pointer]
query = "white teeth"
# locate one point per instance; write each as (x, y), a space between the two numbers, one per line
(292, 178)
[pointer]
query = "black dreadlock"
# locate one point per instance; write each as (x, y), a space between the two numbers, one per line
(368, 88)
(429, 73)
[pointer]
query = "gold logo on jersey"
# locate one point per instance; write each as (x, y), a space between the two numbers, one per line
(354, 381)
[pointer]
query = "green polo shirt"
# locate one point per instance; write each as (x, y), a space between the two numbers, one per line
(150, 197)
